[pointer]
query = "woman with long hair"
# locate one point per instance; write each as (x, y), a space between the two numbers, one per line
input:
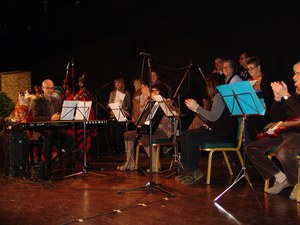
(219, 127)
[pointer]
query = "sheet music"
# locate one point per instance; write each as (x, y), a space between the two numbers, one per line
(164, 106)
(68, 110)
(119, 97)
(117, 111)
(83, 110)
(252, 82)
(153, 111)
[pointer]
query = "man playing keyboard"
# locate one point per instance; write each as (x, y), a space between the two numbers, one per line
(48, 108)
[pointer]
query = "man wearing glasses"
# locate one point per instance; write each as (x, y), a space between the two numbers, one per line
(48, 108)
(243, 60)
(285, 107)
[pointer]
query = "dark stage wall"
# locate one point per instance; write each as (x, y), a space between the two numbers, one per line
(105, 39)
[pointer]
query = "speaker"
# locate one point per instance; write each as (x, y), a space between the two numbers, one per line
(18, 149)
(4, 152)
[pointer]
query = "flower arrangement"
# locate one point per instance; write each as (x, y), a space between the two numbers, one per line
(6, 105)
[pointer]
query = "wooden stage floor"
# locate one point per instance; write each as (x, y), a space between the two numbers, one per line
(93, 198)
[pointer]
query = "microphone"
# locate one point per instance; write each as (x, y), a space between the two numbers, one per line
(200, 70)
(144, 53)
(190, 65)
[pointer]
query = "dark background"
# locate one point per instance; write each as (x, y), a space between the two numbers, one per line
(105, 38)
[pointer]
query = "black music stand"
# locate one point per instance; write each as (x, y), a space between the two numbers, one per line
(82, 111)
(150, 184)
(241, 100)
(176, 160)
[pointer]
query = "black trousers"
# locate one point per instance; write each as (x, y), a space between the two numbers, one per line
(189, 145)
(61, 138)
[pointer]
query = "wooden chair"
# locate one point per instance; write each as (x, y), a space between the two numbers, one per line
(224, 147)
(157, 144)
(272, 153)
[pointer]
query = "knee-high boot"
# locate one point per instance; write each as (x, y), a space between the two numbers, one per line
(129, 164)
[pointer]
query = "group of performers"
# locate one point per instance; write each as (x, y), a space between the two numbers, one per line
(217, 126)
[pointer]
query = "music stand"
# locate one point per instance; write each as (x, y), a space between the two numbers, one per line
(118, 112)
(173, 115)
(81, 112)
(241, 100)
(151, 184)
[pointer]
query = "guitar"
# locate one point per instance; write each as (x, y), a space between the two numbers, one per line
(273, 129)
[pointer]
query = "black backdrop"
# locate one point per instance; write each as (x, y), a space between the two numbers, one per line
(106, 37)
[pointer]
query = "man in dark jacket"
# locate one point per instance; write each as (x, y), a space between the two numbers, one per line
(285, 107)
(48, 108)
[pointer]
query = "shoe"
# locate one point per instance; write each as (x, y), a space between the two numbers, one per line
(126, 166)
(153, 170)
(193, 178)
(181, 176)
(293, 195)
(71, 168)
(188, 180)
(278, 187)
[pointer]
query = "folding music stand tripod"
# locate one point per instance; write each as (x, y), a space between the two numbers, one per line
(241, 100)
(151, 184)
(82, 111)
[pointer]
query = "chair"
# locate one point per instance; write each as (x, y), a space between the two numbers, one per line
(224, 147)
(271, 153)
(157, 144)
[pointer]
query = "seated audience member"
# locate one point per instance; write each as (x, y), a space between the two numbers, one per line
(219, 127)
(285, 106)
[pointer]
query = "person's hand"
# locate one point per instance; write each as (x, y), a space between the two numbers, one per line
(191, 104)
(145, 90)
(280, 90)
(55, 116)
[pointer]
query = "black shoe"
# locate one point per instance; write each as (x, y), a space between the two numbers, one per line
(71, 167)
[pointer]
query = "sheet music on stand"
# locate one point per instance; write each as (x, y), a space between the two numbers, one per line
(161, 102)
(118, 112)
(76, 110)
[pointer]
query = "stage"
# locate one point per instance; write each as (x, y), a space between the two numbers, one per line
(93, 198)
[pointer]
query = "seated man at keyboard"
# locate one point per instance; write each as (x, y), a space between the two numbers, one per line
(48, 108)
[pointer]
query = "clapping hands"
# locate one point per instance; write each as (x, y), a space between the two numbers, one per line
(191, 104)
(280, 90)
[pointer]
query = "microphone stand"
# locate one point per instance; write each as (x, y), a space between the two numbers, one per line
(151, 184)
(176, 157)
(84, 168)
